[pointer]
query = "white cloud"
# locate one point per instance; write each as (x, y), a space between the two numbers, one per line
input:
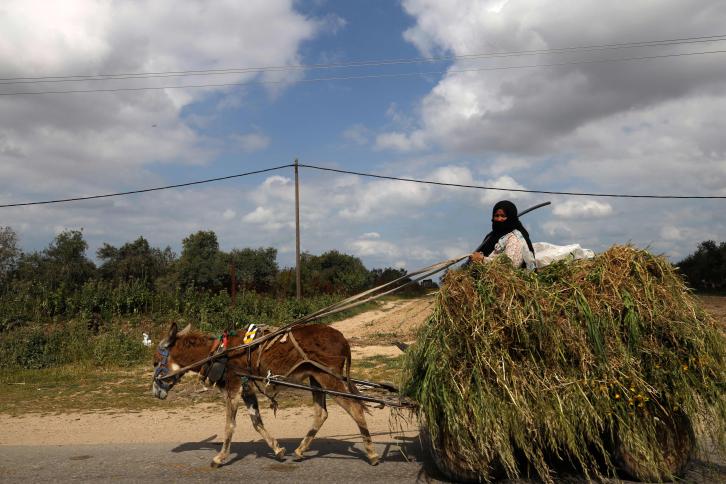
(357, 134)
(530, 111)
(384, 198)
(269, 219)
(558, 230)
(332, 23)
(368, 247)
(582, 209)
(250, 142)
(401, 141)
(646, 127)
(489, 197)
(229, 214)
(670, 232)
(60, 144)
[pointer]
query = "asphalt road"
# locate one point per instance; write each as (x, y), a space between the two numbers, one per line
(330, 460)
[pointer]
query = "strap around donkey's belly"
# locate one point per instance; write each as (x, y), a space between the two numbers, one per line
(305, 358)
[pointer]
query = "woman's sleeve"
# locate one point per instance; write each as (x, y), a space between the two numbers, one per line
(513, 249)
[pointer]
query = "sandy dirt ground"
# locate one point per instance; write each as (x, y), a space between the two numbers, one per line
(196, 423)
(716, 306)
(394, 320)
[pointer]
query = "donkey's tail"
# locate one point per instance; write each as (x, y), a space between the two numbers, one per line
(351, 387)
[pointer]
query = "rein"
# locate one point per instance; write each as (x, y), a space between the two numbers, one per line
(161, 373)
(343, 305)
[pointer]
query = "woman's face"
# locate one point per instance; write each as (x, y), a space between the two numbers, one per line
(500, 216)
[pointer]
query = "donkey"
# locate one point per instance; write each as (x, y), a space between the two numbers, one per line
(305, 356)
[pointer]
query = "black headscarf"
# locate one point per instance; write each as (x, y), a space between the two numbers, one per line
(500, 229)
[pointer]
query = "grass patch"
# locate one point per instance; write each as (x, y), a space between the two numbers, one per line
(378, 368)
(74, 388)
(79, 388)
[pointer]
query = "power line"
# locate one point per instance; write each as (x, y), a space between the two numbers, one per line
(519, 190)
(144, 190)
(369, 76)
(371, 175)
(370, 63)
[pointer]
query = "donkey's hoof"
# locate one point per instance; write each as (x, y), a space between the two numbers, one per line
(374, 461)
(280, 454)
(215, 465)
(298, 456)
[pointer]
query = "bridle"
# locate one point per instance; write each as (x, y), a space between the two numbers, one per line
(162, 369)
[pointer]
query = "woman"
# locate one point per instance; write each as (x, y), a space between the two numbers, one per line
(508, 236)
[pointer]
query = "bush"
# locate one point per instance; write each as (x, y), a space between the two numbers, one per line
(116, 348)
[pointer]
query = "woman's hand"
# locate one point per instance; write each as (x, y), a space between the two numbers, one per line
(477, 257)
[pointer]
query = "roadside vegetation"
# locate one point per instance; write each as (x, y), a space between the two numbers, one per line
(84, 387)
(58, 307)
(705, 269)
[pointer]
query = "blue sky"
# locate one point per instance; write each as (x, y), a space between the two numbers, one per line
(625, 127)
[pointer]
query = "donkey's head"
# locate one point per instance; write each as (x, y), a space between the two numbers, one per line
(165, 362)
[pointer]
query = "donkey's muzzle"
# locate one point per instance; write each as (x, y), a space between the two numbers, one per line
(159, 392)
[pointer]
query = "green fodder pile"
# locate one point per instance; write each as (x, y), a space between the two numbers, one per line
(551, 365)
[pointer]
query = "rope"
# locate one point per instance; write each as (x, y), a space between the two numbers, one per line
(343, 305)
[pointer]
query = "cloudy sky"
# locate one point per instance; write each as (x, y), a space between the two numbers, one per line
(561, 119)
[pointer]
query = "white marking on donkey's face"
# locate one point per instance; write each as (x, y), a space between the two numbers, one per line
(158, 392)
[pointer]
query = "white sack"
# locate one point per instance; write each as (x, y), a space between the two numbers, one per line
(546, 253)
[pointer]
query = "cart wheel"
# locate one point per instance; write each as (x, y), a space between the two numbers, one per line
(677, 441)
(448, 461)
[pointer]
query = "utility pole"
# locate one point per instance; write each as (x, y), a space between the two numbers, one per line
(298, 287)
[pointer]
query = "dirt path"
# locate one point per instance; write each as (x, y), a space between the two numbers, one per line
(393, 320)
(194, 423)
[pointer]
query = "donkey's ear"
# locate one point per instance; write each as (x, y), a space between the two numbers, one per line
(173, 331)
(186, 330)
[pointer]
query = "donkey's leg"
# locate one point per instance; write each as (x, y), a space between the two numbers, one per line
(355, 410)
(253, 409)
(232, 404)
(320, 413)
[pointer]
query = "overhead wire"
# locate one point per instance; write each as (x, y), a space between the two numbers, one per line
(366, 76)
(369, 63)
(372, 175)
(145, 190)
(519, 190)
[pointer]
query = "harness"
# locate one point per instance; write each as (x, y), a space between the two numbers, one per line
(162, 369)
(214, 372)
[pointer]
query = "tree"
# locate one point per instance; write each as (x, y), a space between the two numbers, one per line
(134, 260)
(333, 272)
(383, 276)
(201, 264)
(256, 269)
(705, 269)
(9, 253)
(62, 264)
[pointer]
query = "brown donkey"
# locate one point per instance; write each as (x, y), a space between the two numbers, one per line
(315, 353)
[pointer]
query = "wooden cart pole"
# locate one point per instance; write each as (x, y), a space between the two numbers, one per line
(298, 288)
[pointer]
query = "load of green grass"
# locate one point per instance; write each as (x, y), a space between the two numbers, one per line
(516, 366)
